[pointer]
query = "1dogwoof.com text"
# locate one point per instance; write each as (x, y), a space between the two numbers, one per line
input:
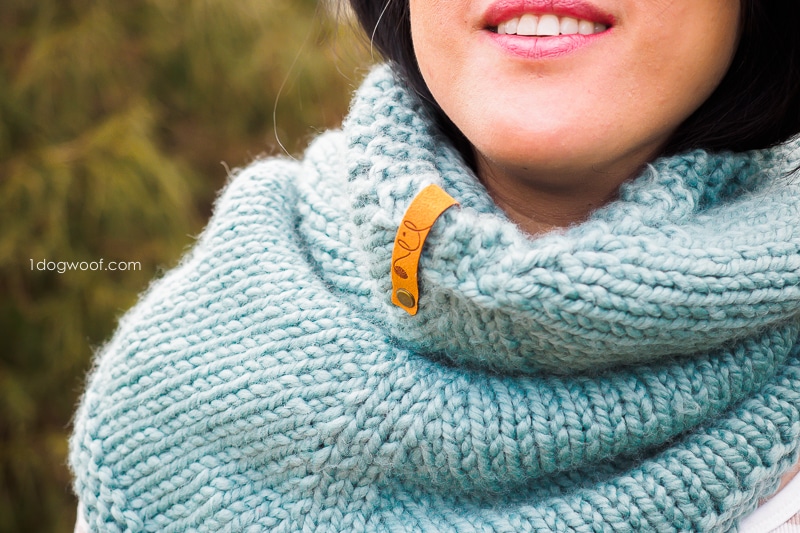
(67, 266)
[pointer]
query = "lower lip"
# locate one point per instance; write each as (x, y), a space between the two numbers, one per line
(544, 47)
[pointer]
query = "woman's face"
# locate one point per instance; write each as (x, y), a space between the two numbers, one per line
(552, 108)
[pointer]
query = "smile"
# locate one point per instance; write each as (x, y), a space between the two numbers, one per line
(537, 30)
(548, 25)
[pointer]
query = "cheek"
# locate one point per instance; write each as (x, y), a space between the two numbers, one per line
(438, 28)
(668, 79)
(700, 60)
(429, 32)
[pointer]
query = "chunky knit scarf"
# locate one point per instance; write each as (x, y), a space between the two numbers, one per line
(637, 372)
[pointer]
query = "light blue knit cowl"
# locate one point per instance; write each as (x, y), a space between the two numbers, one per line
(637, 372)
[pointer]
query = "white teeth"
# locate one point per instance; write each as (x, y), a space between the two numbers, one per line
(528, 25)
(548, 25)
(512, 26)
(585, 27)
(568, 26)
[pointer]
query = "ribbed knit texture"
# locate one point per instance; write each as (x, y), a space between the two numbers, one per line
(637, 372)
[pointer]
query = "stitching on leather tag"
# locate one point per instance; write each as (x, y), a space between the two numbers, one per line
(426, 207)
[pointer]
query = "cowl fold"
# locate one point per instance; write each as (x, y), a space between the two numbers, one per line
(637, 372)
(697, 252)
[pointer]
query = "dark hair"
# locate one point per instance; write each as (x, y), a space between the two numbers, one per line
(757, 104)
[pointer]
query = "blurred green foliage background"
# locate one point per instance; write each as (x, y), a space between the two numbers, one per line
(119, 121)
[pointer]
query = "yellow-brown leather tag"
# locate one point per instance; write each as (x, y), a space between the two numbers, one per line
(426, 207)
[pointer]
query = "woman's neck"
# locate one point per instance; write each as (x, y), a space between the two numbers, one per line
(541, 205)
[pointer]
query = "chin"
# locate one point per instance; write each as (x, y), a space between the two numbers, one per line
(536, 150)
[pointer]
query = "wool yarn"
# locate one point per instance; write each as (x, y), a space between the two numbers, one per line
(636, 372)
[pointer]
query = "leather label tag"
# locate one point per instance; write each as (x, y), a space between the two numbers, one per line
(426, 207)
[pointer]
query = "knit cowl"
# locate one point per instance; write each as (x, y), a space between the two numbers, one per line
(639, 371)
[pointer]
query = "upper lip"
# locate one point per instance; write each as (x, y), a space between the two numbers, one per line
(503, 10)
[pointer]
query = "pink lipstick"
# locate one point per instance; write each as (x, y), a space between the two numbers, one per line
(539, 29)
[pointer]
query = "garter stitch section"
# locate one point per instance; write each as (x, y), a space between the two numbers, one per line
(637, 372)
